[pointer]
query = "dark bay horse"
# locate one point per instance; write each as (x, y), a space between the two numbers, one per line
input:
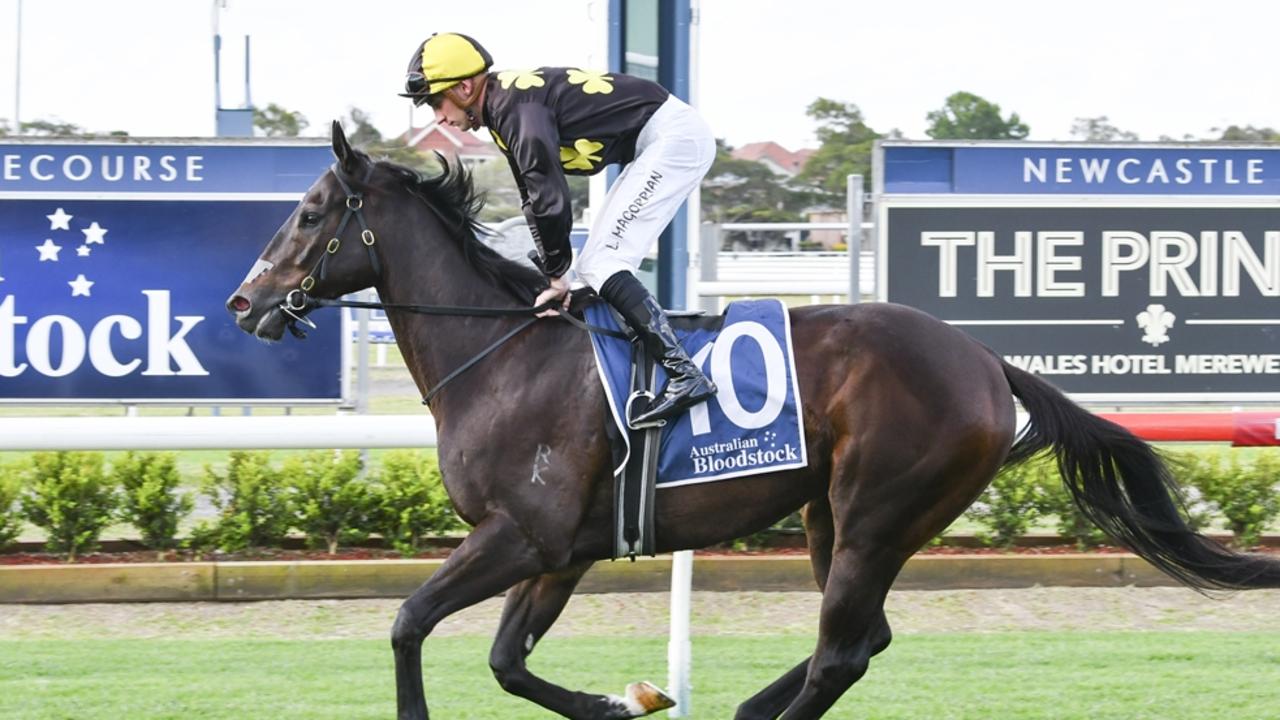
(906, 419)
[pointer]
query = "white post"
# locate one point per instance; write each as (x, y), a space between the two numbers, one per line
(17, 76)
(855, 238)
(362, 355)
(708, 266)
(679, 648)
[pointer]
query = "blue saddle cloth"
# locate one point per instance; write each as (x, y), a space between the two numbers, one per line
(753, 423)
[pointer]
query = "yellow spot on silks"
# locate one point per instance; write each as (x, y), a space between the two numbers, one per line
(581, 155)
(523, 79)
(498, 139)
(592, 81)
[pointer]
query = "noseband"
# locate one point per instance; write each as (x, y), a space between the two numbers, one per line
(296, 302)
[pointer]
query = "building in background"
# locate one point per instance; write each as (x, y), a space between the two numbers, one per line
(775, 157)
(470, 148)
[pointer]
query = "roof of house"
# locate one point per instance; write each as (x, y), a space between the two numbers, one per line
(450, 141)
(773, 154)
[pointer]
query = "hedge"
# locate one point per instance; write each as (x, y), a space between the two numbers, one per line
(1243, 489)
(331, 499)
(327, 497)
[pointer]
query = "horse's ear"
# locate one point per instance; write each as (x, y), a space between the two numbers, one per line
(347, 157)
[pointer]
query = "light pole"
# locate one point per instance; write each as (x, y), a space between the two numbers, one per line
(17, 78)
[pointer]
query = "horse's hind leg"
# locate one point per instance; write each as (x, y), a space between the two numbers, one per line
(884, 507)
(820, 532)
(852, 628)
(531, 608)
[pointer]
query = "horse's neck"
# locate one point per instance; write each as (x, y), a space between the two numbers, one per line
(432, 270)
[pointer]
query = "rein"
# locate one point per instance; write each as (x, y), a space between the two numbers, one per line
(298, 303)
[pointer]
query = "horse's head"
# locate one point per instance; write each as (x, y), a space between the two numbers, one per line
(324, 249)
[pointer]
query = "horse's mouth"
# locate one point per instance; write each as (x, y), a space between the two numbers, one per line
(266, 321)
(270, 325)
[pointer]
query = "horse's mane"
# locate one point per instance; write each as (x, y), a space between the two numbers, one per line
(456, 201)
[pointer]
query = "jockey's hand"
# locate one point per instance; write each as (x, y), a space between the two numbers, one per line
(557, 290)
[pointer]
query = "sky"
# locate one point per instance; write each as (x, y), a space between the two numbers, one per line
(1156, 68)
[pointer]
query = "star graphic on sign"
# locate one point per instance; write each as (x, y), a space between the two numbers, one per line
(48, 251)
(93, 234)
(83, 251)
(59, 220)
(80, 286)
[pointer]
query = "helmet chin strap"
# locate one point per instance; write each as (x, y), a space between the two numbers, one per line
(464, 102)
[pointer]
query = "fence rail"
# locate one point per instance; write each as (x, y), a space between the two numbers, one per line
(294, 432)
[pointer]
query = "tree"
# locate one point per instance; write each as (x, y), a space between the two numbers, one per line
(55, 128)
(966, 116)
(359, 128)
(275, 121)
(737, 190)
(846, 142)
(364, 136)
(1248, 133)
(52, 128)
(501, 196)
(1100, 129)
(748, 191)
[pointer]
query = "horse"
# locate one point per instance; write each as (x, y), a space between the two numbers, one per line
(906, 420)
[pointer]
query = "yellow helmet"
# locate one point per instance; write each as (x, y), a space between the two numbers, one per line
(442, 61)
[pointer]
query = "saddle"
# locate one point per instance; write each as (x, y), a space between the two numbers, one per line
(635, 483)
(752, 426)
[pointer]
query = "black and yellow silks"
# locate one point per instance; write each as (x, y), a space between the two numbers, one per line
(553, 121)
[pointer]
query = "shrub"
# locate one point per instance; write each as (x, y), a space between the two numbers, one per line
(253, 509)
(151, 501)
(411, 501)
(10, 518)
(329, 501)
(68, 495)
(1056, 500)
(1009, 505)
(1244, 492)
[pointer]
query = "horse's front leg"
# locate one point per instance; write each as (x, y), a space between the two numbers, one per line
(495, 556)
(531, 608)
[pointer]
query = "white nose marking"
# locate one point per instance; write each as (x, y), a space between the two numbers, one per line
(259, 267)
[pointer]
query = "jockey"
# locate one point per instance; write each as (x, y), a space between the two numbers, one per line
(553, 121)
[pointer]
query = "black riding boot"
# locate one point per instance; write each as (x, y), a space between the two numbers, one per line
(686, 386)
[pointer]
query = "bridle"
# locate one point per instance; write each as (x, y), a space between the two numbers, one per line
(298, 303)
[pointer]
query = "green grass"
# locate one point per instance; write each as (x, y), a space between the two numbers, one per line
(1010, 676)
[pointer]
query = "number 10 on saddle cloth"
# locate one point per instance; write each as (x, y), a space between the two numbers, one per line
(753, 423)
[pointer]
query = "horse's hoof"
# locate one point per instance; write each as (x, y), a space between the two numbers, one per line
(646, 698)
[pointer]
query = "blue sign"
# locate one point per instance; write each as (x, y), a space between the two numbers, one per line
(753, 424)
(165, 168)
(1031, 169)
(123, 299)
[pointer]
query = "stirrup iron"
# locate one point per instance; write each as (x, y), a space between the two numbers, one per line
(631, 400)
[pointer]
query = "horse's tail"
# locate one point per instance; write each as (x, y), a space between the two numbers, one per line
(1123, 486)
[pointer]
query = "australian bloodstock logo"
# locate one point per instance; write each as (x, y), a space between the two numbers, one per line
(67, 267)
(741, 454)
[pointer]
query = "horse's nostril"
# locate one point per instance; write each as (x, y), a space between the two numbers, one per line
(239, 303)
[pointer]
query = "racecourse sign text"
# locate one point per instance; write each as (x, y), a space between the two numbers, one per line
(1166, 298)
(115, 262)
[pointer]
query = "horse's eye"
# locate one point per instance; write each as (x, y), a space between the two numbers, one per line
(309, 219)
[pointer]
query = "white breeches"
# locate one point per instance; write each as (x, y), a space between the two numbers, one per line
(673, 152)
